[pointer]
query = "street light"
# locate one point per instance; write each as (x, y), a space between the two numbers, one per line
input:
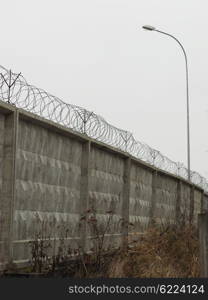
(151, 28)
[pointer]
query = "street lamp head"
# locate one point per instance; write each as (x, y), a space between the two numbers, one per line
(148, 27)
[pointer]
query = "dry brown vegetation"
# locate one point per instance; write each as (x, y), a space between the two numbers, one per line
(166, 252)
(161, 252)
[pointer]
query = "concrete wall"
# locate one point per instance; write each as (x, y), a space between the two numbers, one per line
(205, 202)
(47, 182)
(106, 188)
(51, 176)
(140, 201)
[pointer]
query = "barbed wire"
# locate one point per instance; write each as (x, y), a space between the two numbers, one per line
(15, 90)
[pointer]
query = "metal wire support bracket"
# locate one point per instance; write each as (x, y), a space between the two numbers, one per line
(10, 84)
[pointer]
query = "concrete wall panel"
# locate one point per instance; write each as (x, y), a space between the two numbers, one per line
(140, 198)
(50, 176)
(197, 205)
(205, 202)
(185, 202)
(47, 181)
(2, 119)
(106, 188)
(166, 194)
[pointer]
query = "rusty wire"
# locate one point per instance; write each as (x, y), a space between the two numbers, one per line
(37, 101)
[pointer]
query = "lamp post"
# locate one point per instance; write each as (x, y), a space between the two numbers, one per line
(151, 28)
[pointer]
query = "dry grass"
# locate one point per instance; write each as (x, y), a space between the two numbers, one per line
(167, 252)
(164, 252)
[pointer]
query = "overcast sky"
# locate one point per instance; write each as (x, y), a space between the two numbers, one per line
(94, 53)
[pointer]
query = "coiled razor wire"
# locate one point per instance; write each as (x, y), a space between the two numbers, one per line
(37, 101)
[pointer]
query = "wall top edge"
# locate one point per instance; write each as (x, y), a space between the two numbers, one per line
(7, 108)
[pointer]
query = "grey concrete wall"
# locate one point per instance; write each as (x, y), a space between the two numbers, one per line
(7, 170)
(2, 122)
(106, 189)
(198, 198)
(140, 197)
(205, 202)
(47, 182)
(52, 176)
(166, 194)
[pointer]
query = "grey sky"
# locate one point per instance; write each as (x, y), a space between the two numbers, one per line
(93, 53)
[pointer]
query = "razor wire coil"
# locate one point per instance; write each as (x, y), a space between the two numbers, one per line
(37, 101)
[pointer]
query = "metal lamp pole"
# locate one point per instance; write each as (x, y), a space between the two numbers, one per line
(151, 28)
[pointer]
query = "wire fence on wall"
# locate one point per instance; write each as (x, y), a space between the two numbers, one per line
(15, 90)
